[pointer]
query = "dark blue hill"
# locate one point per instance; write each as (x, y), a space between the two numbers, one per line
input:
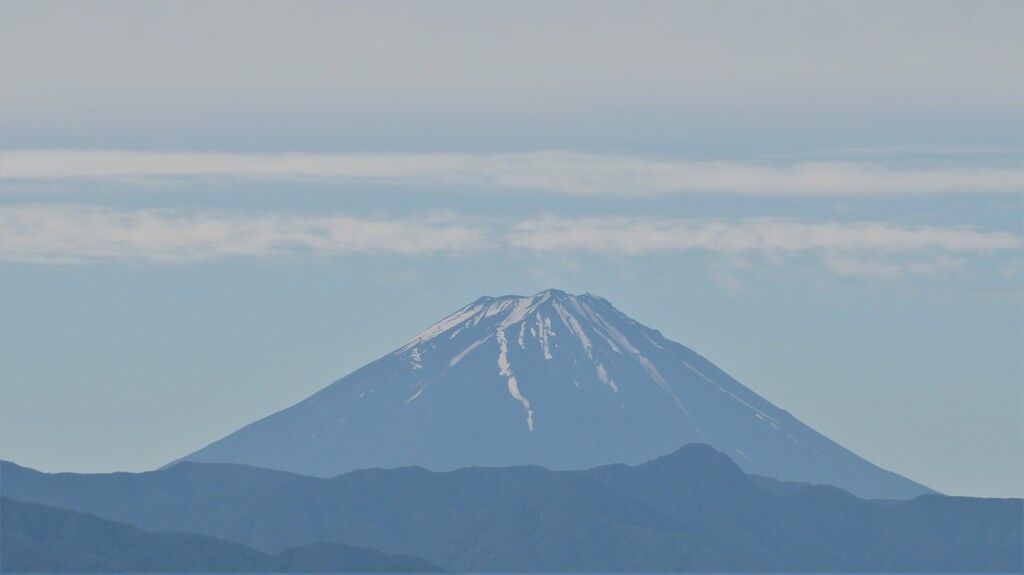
(692, 510)
(39, 538)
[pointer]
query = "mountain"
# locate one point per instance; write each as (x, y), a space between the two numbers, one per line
(691, 510)
(38, 538)
(558, 380)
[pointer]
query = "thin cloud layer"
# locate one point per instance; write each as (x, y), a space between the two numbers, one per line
(868, 249)
(72, 234)
(769, 236)
(63, 234)
(558, 172)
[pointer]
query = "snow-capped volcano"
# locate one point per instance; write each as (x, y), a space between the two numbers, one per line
(559, 380)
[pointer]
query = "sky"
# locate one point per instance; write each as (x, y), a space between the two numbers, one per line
(211, 210)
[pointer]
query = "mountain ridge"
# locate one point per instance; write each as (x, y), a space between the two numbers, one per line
(40, 538)
(690, 510)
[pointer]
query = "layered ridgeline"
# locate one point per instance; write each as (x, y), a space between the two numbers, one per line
(692, 510)
(44, 539)
(558, 380)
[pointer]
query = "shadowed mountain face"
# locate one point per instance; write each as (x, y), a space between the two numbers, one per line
(692, 510)
(562, 381)
(40, 539)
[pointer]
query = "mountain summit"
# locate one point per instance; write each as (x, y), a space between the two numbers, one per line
(559, 380)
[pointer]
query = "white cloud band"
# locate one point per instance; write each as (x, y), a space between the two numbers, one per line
(772, 236)
(61, 234)
(561, 172)
(77, 234)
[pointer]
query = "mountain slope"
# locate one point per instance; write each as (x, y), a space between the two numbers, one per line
(562, 381)
(38, 538)
(692, 510)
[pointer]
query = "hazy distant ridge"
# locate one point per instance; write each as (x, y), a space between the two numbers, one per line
(40, 538)
(693, 510)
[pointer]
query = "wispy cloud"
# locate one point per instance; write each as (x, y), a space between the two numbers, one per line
(58, 234)
(933, 151)
(769, 236)
(561, 172)
(873, 249)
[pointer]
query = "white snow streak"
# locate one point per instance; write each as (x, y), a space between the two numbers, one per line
(653, 372)
(544, 331)
(504, 368)
(415, 395)
(462, 354)
(574, 326)
(757, 412)
(798, 442)
(522, 308)
(613, 336)
(602, 374)
(744, 455)
(496, 308)
(766, 419)
(442, 326)
(650, 339)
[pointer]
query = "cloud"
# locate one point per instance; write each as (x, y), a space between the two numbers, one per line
(63, 234)
(74, 234)
(559, 172)
(867, 249)
(766, 236)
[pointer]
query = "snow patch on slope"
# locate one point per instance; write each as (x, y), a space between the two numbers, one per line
(521, 309)
(613, 336)
(602, 374)
(654, 343)
(464, 352)
(743, 455)
(415, 395)
(543, 333)
(505, 369)
(757, 412)
(442, 326)
(574, 326)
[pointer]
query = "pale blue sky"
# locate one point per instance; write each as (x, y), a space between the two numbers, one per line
(211, 210)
